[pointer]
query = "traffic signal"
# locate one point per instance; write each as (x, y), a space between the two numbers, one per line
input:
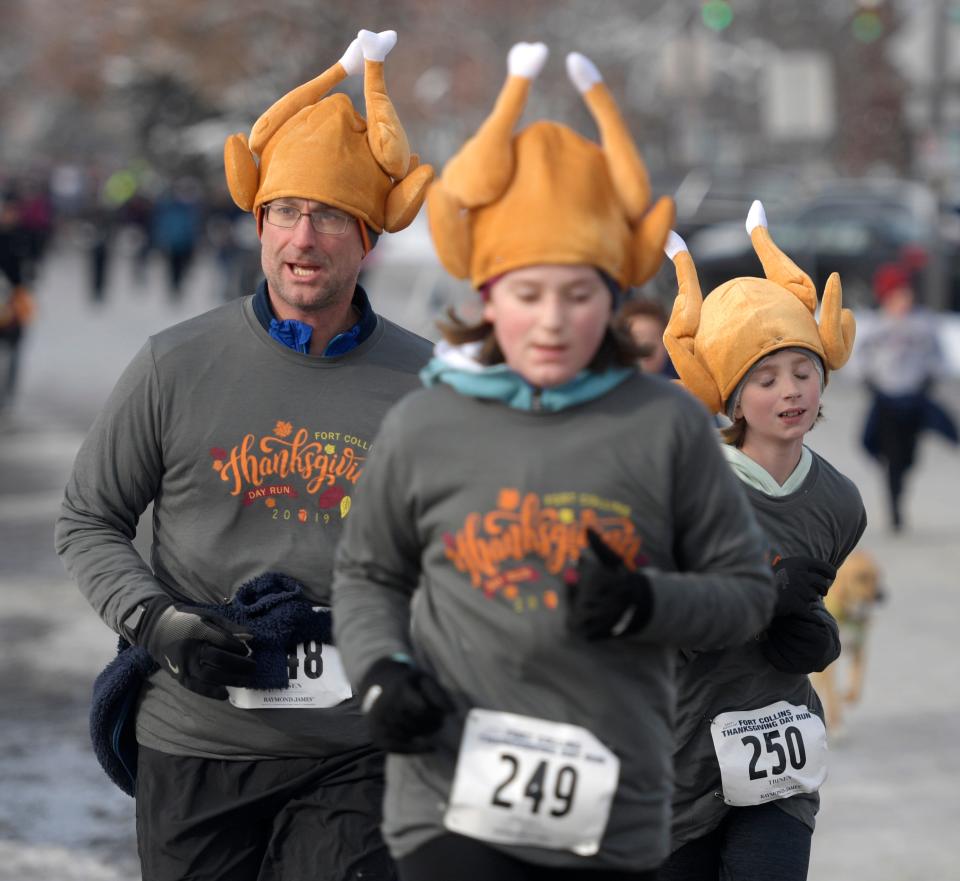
(717, 14)
(868, 26)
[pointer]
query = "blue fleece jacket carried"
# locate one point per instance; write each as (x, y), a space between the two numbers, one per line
(274, 609)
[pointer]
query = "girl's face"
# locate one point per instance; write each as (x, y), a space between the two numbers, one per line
(781, 399)
(549, 320)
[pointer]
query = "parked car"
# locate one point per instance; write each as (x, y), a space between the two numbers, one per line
(704, 197)
(707, 197)
(849, 228)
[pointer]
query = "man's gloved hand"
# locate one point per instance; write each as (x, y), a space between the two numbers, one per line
(403, 705)
(802, 643)
(802, 581)
(201, 650)
(607, 599)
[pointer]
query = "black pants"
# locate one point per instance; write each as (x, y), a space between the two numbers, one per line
(290, 819)
(760, 843)
(458, 858)
(890, 434)
(898, 440)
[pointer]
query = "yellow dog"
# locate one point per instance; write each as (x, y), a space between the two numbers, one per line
(851, 600)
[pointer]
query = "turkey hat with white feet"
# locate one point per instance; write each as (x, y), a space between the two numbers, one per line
(548, 195)
(309, 145)
(714, 342)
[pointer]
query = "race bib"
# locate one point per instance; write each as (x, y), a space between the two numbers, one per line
(528, 781)
(770, 753)
(317, 680)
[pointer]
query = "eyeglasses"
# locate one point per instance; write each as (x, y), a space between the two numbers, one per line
(328, 221)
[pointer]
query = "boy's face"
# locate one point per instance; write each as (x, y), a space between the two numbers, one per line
(781, 398)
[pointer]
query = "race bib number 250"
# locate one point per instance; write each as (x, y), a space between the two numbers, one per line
(769, 753)
(527, 781)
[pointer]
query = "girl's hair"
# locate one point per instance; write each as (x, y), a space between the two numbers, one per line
(734, 435)
(617, 348)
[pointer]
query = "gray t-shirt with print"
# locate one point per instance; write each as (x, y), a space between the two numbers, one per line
(824, 519)
(471, 517)
(250, 453)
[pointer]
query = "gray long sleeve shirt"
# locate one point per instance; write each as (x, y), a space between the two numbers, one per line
(476, 511)
(250, 453)
(824, 519)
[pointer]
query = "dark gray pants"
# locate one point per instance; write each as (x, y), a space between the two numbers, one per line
(458, 858)
(303, 818)
(760, 843)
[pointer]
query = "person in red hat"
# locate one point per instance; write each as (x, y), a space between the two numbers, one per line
(900, 359)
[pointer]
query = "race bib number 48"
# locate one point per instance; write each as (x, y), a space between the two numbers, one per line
(317, 680)
(527, 781)
(774, 752)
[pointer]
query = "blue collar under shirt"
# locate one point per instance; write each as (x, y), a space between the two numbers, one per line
(296, 335)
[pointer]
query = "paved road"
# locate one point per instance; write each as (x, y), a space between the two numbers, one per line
(890, 804)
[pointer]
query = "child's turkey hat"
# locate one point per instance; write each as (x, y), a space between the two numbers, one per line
(714, 342)
(315, 147)
(548, 195)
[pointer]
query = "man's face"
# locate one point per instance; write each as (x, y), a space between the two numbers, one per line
(308, 271)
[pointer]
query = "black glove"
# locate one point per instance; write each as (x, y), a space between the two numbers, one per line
(201, 650)
(800, 644)
(607, 599)
(404, 705)
(802, 581)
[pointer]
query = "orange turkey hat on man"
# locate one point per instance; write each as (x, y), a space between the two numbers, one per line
(548, 195)
(310, 146)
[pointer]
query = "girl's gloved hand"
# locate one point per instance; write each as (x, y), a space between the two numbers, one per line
(404, 705)
(607, 599)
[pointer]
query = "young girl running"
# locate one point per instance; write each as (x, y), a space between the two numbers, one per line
(751, 744)
(539, 528)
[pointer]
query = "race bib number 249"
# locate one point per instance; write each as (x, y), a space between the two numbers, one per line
(527, 781)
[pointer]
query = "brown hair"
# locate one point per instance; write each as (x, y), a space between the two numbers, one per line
(631, 309)
(616, 348)
(641, 306)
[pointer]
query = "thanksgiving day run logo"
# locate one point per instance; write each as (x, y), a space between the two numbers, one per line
(508, 551)
(293, 473)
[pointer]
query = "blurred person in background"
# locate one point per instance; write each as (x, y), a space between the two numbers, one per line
(540, 527)
(900, 359)
(175, 229)
(138, 214)
(37, 220)
(16, 301)
(237, 248)
(751, 748)
(100, 226)
(644, 321)
(247, 428)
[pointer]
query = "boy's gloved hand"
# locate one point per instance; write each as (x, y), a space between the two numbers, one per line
(802, 581)
(403, 705)
(800, 644)
(607, 599)
(202, 651)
